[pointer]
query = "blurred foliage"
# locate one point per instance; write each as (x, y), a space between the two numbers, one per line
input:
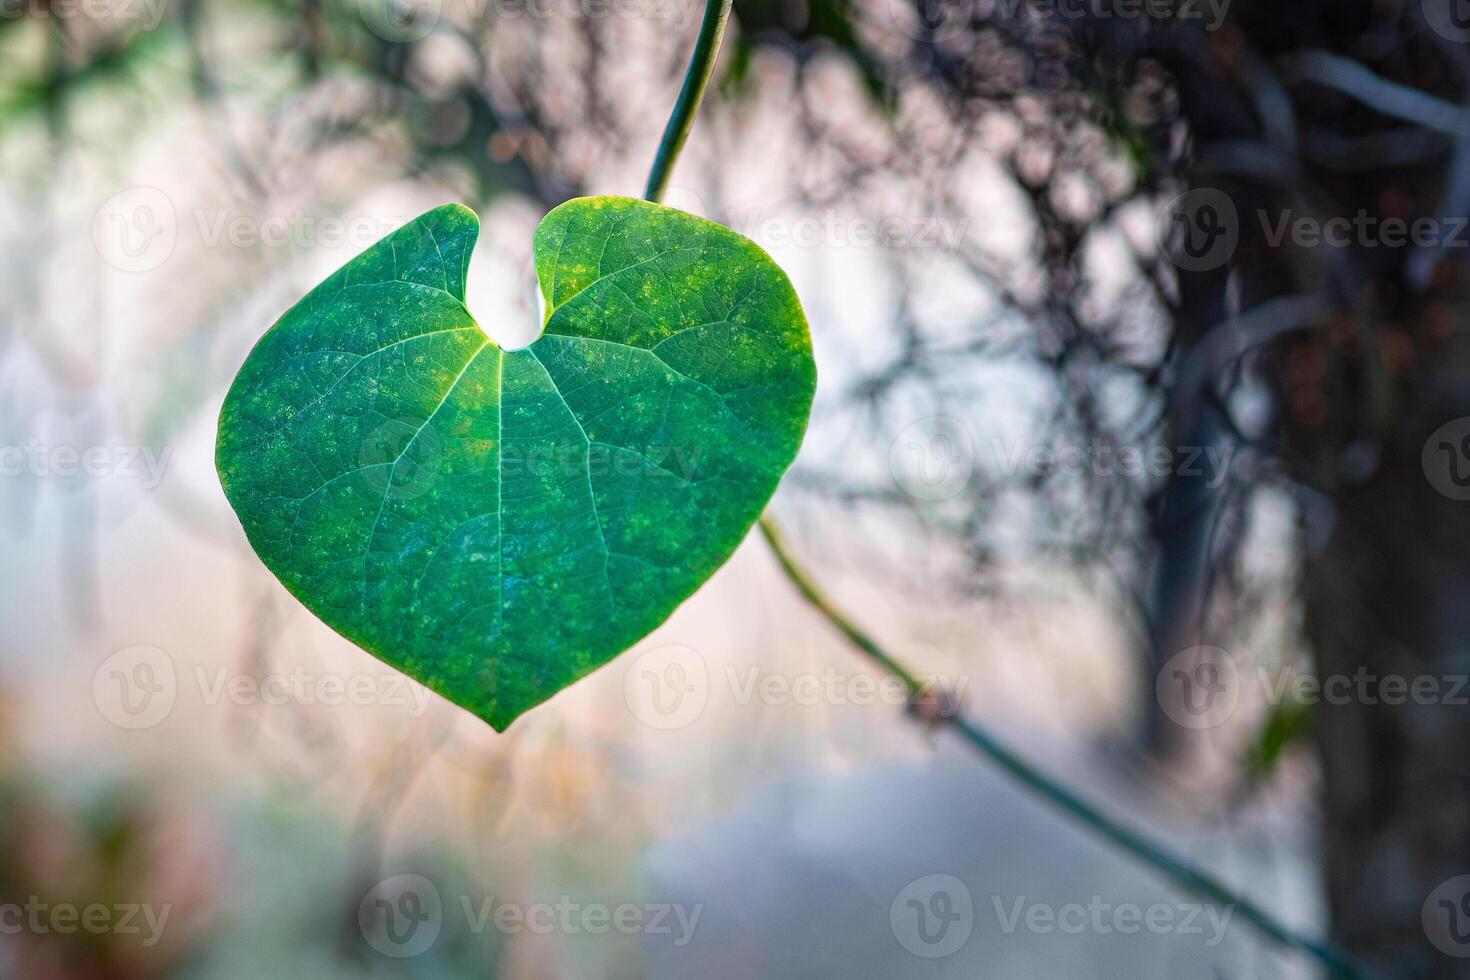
(1284, 726)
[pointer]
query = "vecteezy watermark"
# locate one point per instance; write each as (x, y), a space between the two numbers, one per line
(403, 458)
(1198, 687)
(298, 229)
(679, 14)
(1364, 230)
(1201, 687)
(936, 21)
(1446, 459)
(36, 458)
(38, 918)
(401, 21)
(932, 459)
(403, 916)
(933, 916)
(830, 686)
(299, 686)
(669, 687)
(1200, 230)
(1015, 457)
(406, 21)
(1364, 686)
(830, 228)
(148, 12)
(135, 230)
(833, 229)
(568, 917)
(575, 459)
(1207, 14)
(1450, 19)
(1445, 916)
(932, 21)
(1100, 916)
(137, 688)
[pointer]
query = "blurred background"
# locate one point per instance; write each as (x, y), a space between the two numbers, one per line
(1143, 429)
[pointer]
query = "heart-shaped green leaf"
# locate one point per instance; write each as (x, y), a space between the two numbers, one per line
(499, 523)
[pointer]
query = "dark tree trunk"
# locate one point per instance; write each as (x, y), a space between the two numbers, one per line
(1387, 572)
(1388, 596)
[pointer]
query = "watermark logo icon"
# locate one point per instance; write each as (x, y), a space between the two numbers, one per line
(667, 687)
(401, 916)
(135, 230)
(1199, 230)
(931, 21)
(933, 916)
(1198, 687)
(1446, 917)
(1450, 19)
(685, 199)
(401, 21)
(135, 687)
(932, 459)
(400, 459)
(1446, 459)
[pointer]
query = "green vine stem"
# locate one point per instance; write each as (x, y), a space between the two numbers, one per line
(1185, 874)
(701, 67)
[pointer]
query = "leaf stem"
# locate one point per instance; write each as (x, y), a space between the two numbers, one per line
(1184, 873)
(1187, 875)
(696, 79)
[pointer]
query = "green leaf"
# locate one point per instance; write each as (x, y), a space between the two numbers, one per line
(500, 523)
